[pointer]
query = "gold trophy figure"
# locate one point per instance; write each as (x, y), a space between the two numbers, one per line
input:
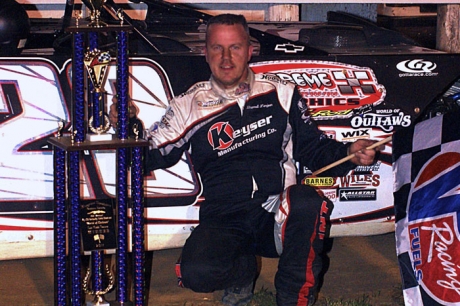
(96, 6)
(136, 131)
(61, 124)
(97, 63)
(98, 295)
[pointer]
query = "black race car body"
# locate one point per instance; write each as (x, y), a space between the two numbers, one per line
(360, 81)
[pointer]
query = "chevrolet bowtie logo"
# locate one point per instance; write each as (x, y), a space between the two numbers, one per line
(289, 48)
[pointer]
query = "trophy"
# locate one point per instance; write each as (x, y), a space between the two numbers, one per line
(96, 6)
(96, 63)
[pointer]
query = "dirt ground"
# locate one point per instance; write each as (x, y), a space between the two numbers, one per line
(358, 266)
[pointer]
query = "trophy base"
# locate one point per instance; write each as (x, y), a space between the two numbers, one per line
(116, 303)
(99, 137)
(98, 301)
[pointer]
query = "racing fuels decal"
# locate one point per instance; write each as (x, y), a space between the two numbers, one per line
(331, 90)
(416, 68)
(433, 228)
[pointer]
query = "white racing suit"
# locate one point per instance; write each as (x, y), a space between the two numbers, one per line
(244, 144)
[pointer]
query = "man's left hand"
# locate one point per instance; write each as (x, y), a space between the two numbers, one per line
(363, 156)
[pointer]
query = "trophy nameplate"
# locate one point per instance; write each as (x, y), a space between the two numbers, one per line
(98, 225)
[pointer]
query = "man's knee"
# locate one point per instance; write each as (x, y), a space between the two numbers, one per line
(307, 199)
(308, 205)
(203, 276)
(195, 277)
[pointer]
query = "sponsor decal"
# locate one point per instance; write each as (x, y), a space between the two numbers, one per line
(345, 195)
(304, 111)
(323, 216)
(386, 122)
(209, 104)
(387, 111)
(319, 181)
(306, 170)
(289, 48)
(242, 88)
(356, 134)
(328, 114)
(330, 194)
(432, 247)
(169, 114)
(331, 90)
(331, 134)
(273, 78)
(221, 135)
(192, 89)
(259, 106)
(374, 167)
(363, 109)
(433, 228)
(359, 180)
(416, 68)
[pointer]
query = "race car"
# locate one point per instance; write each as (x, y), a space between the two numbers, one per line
(359, 81)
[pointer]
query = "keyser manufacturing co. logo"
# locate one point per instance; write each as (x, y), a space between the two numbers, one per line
(221, 135)
(331, 90)
(433, 228)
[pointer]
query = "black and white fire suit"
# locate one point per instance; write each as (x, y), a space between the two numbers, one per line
(244, 144)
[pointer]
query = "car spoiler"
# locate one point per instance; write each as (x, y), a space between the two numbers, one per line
(169, 13)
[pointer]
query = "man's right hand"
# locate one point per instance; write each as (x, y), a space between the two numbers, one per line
(113, 112)
(113, 115)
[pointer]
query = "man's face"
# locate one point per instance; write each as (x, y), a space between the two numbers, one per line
(228, 53)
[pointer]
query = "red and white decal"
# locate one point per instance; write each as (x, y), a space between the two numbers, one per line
(330, 89)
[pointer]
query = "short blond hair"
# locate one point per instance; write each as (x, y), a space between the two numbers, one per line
(228, 19)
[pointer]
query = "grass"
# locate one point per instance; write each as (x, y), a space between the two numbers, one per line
(263, 297)
(362, 301)
(266, 298)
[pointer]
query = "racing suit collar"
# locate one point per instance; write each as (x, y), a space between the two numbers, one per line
(244, 88)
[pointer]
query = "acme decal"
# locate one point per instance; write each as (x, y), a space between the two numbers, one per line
(328, 86)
